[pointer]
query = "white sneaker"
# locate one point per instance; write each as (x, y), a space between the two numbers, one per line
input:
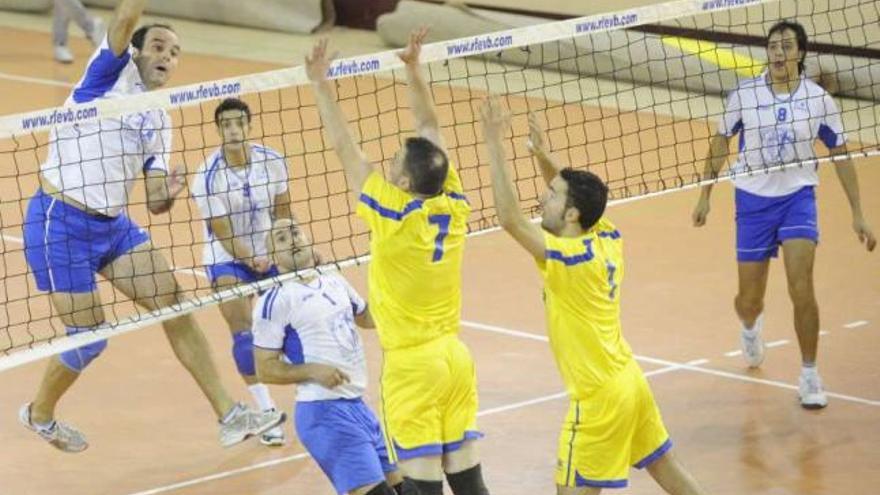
(811, 392)
(61, 436)
(273, 437)
(244, 423)
(752, 347)
(63, 54)
(96, 35)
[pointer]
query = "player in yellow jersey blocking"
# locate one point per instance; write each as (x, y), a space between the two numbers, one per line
(418, 221)
(613, 422)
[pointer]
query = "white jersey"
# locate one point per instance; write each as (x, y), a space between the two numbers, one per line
(245, 194)
(97, 163)
(314, 323)
(776, 129)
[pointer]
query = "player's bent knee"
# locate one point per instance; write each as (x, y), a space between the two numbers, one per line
(243, 352)
(406, 487)
(78, 359)
(468, 482)
(465, 457)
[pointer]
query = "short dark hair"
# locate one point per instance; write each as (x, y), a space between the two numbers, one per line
(799, 32)
(426, 165)
(140, 35)
(231, 104)
(587, 193)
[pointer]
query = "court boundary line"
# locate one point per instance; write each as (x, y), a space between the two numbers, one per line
(685, 366)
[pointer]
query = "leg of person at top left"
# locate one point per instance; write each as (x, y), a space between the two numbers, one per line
(237, 314)
(144, 275)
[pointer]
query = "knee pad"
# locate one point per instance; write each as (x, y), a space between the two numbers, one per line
(78, 359)
(243, 352)
(428, 487)
(407, 487)
(381, 489)
(468, 482)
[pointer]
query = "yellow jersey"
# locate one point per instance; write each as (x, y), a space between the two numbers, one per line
(415, 272)
(582, 277)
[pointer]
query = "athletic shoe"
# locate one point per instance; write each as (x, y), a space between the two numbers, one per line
(811, 392)
(63, 54)
(244, 423)
(273, 437)
(59, 435)
(752, 347)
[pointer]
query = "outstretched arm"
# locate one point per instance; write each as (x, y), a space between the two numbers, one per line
(420, 99)
(128, 14)
(354, 162)
(549, 167)
(846, 172)
(495, 121)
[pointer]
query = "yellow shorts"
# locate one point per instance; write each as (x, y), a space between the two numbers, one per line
(618, 427)
(429, 399)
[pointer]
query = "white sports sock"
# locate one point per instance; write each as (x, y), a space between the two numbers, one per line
(261, 396)
(756, 327)
(809, 369)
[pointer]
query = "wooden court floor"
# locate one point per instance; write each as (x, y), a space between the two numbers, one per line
(739, 431)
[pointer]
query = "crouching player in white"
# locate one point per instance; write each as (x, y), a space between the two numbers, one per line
(239, 190)
(304, 332)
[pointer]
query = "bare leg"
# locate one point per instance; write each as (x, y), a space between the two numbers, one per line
(581, 490)
(799, 256)
(144, 275)
(673, 477)
(749, 302)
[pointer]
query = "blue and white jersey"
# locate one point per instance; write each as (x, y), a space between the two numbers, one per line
(313, 322)
(245, 194)
(775, 129)
(97, 163)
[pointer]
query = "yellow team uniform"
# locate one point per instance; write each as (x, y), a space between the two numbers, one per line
(429, 394)
(613, 422)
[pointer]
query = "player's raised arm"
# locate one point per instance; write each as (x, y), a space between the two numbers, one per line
(549, 167)
(495, 122)
(128, 14)
(420, 99)
(354, 163)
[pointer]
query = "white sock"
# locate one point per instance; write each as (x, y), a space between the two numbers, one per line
(809, 369)
(261, 396)
(756, 327)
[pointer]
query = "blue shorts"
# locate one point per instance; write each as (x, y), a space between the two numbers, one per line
(763, 223)
(238, 270)
(65, 246)
(345, 439)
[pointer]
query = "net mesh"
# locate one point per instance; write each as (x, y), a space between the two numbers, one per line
(632, 96)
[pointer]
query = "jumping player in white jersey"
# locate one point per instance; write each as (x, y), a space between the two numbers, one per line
(76, 226)
(239, 190)
(304, 332)
(778, 116)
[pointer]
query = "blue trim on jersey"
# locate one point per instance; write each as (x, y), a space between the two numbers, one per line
(293, 347)
(267, 151)
(101, 75)
(737, 127)
(581, 481)
(387, 212)
(742, 142)
(587, 255)
(610, 234)
(267, 302)
(455, 195)
(828, 136)
(209, 177)
(148, 164)
(653, 456)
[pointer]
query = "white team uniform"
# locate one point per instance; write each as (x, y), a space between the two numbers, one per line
(314, 323)
(777, 129)
(97, 163)
(247, 195)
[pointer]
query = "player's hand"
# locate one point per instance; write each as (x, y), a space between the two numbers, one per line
(494, 116)
(318, 63)
(260, 264)
(410, 54)
(176, 181)
(701, 211)
(535, 144)
(866, 236)
(328, 376)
